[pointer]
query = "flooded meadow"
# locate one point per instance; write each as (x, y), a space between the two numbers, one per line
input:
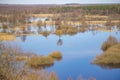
(56, 47)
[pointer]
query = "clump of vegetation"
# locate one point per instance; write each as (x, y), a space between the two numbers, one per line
(21, 58)
(110, 57)
(72, 31)
(37, 61)
(82, 29)
(56, 54)
(58, 32)
(43, 61)
(39, 23)
(8, 65)
(10, 69)
(53, 76)
(66, 29)
(41, 76)
(109, 42)
(45, 33)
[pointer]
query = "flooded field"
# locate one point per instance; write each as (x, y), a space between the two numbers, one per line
(59, 46)
(78, 47)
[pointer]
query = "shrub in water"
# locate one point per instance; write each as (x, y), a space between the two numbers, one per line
(56, 54)
(110, 42)
(37, 61)
(111, 57)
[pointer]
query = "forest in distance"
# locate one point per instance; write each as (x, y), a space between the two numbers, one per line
(63, 32)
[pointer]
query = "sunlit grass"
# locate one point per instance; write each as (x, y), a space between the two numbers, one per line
(37, 61)
(109, 42)
(11, 67)
(56, 55)
(110, 56)
(39, 23)
(58, 32)
(21, 58)
(45, 33)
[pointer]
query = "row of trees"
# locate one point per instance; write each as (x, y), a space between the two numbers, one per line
(19, 13)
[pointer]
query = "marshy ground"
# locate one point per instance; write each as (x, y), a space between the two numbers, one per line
(64, 40)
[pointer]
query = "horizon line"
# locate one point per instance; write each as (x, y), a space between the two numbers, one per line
(54, 3)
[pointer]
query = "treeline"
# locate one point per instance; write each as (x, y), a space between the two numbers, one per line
(36, 9)
(93, 9)
(101, 8)
(10, 9)
(19, 14)
(62, 9)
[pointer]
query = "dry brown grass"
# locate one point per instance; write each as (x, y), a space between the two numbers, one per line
(6, 37)
(41, 76)
(45, 33)
(42, 15)
(38, 61)
(92, 22)
(56, 54)
(72, 30)
(21, 58)
(58, 32)
(8, 65)
(110, 56)
(10, 69)
(109, 42)
(96, 16)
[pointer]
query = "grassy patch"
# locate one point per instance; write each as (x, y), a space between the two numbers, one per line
(21, 58)
(109, 42)
(45, 33)
(56, 55)
(41, 76)
(44, 61)
(6, 37)
(111, 57)
(38, 61)
(11, 67)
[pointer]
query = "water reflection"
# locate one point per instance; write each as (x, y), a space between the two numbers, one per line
(58, 30)
(23, 38)
(60, 41)
(109, 66)
(74, 38)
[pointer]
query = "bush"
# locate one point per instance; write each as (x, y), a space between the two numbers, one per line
(58, 32)
(45, 33)
(110, 57)
(21, 58)
(10, 69)
(38, 61)
(109, 42)
(39, 23)
(72, 31)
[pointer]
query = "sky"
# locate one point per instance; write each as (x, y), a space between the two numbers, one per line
(56, 1)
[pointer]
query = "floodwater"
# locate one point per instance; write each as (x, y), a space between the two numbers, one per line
(78, 51)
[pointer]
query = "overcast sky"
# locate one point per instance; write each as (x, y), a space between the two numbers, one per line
(56, 1)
